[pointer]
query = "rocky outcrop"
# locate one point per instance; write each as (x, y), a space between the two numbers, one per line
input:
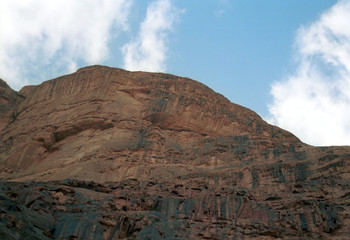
(8, 101)
(152, 155)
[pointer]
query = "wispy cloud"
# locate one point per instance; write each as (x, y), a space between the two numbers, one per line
(55, 36)
(148, 51)
(314, 103)
(221, 8)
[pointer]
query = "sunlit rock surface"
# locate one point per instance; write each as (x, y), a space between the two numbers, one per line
(107, 154)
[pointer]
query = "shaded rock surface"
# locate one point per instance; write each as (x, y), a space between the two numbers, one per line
(8, 101)
(107, 154)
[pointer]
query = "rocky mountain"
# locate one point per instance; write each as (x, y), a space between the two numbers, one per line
(104, 153)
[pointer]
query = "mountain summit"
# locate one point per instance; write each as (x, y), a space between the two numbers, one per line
(105, 153)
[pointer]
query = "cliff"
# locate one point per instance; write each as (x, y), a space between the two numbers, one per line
(104, 153)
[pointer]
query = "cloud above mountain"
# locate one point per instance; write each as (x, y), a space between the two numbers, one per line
(148, 51)
(50, 37)
(314, 101)
(43, 39)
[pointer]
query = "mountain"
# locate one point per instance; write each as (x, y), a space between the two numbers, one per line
(105, 153)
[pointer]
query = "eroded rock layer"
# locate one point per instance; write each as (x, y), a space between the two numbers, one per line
(157, 156)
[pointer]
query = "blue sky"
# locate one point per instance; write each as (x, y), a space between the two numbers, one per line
(287, 60)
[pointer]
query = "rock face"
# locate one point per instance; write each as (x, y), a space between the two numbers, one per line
(8, 101)
(107, 154)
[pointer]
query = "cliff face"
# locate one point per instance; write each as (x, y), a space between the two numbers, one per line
(117, 154)
(8, 101)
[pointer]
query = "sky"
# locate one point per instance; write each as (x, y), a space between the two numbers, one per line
(288, 60)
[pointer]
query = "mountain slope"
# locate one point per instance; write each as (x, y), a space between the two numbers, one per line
(165, 146)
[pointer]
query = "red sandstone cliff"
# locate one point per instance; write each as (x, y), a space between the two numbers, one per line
(160, 156)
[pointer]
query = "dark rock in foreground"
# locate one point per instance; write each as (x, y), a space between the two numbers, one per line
(131, 209)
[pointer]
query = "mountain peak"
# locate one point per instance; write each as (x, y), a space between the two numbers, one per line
(172, 138)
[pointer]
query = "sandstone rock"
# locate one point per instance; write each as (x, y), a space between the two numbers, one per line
(156, 156)
(8, 101)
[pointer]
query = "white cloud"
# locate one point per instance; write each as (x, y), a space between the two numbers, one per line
(221, 8)
(51, 37)
(148, 51)
(314, 103)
